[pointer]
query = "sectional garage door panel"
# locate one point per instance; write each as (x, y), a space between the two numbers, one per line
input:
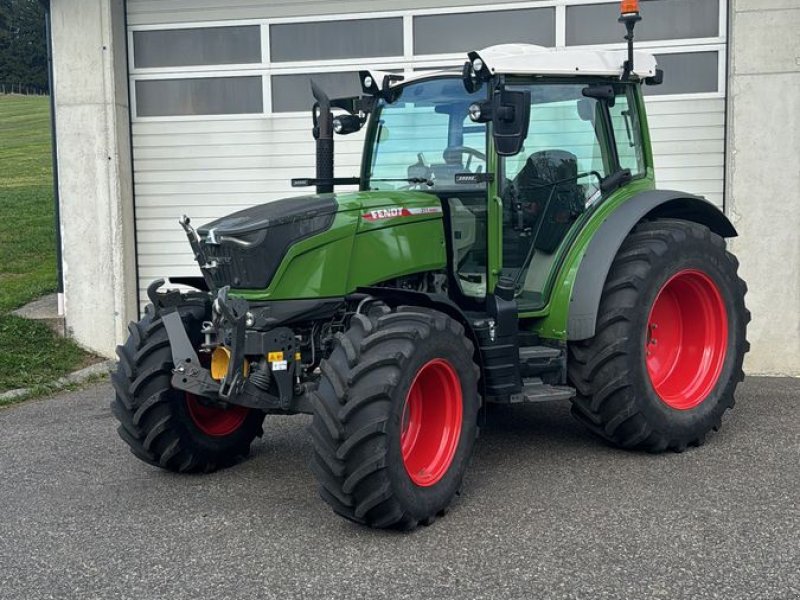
(156, 12)
(206, 169)
(688, 138)
(189, 161)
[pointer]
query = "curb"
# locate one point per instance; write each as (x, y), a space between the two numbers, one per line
(73, 378)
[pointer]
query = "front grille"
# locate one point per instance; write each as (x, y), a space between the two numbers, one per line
(249, 260)
(226, 271)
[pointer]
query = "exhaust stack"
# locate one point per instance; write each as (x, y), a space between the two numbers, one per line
(323, 134)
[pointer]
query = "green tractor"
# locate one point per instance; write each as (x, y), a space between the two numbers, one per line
(506, 244)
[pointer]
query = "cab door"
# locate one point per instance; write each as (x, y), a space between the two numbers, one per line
(548, 187)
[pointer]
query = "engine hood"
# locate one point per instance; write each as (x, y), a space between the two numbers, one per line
(313, 207)
(244, 249)
(271, 214)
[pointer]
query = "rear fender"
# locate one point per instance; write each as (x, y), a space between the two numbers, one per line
(595, 263)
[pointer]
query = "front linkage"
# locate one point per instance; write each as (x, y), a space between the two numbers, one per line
(273, 384)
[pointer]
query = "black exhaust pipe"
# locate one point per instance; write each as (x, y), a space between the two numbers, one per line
(323, 134)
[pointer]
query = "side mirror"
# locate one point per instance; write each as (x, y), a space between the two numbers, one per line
(511, 112)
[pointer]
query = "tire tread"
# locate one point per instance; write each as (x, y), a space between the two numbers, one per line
(144, 404)
(599, 367)
(350, 422)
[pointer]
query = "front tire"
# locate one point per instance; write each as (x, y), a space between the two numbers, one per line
(169, 428)
(395, 417)
(667, 354)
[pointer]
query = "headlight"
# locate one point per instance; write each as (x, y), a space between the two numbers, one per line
(477, 65)
(344, 124)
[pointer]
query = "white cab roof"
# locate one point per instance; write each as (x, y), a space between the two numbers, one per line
(528, 59)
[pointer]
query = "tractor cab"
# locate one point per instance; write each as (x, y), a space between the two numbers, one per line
(518, 146)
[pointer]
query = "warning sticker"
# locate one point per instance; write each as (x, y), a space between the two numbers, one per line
(274, 356)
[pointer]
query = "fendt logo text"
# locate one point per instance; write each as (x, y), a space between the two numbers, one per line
(392, 212)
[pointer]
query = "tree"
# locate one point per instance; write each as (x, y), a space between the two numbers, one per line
(23, 46)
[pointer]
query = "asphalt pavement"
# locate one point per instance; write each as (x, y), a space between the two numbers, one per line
(547, 511)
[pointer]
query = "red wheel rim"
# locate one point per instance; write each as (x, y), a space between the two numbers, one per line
(687, 338)
(432, 417)
(215, 421)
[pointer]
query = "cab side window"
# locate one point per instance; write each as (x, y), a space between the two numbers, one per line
(548, 185)
(627, 133)
(565, 128)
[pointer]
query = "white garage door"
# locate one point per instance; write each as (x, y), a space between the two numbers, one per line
(220, 91)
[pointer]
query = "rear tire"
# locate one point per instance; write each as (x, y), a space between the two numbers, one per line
(169, 428)
(637, 393)
(376, 459)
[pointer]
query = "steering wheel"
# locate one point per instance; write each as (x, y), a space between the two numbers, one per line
(459, 150)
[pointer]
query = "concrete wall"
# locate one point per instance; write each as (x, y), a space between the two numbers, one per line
(763, 180)
(95, 187)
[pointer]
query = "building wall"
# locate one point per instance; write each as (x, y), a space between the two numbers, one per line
(764, 175)
(95, 185)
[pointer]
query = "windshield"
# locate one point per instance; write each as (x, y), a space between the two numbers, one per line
(425, 137)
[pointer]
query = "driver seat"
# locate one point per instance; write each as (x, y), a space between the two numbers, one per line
(531, 189)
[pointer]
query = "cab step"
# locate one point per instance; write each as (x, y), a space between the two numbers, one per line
(528, 353)
(546, 362)
(535, 390)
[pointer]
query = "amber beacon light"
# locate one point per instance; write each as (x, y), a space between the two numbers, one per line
(629, 7)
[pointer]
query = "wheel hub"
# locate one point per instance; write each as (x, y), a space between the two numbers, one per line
(431, 422)
(213, 420)
(687, 337)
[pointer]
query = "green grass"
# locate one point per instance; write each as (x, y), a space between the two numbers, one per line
(36, 354)
(30, 354)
